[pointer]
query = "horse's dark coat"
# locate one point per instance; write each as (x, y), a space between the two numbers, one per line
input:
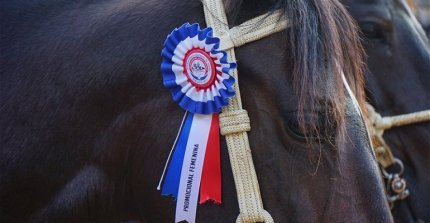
(86, 124)
(398, 82)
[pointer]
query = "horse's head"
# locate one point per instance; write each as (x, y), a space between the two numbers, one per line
(95, 120)
(397, 82)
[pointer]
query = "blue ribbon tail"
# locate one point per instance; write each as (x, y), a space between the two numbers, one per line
(173, 175)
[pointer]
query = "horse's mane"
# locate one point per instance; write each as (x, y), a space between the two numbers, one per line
(323, 38)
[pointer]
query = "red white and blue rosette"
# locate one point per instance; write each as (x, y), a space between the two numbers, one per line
(197, 75)
(195, 71)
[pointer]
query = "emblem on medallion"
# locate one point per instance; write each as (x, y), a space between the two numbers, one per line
(199, 68)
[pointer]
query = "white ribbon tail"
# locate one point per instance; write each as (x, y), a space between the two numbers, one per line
(186, 204)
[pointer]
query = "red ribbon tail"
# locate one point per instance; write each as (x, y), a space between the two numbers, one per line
(210, 185)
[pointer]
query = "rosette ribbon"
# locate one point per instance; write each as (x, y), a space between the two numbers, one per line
(197, 75)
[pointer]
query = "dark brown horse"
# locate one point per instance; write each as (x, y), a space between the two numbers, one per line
(398, 81)
(86, 124)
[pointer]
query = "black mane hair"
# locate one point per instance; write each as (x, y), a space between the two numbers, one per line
(323, 38)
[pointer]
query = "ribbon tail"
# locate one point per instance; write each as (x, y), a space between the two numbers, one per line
(171, 181)
(210, 186)
(192, 166)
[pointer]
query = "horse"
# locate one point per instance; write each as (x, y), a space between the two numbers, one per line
(397, 81)
(86, 124)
